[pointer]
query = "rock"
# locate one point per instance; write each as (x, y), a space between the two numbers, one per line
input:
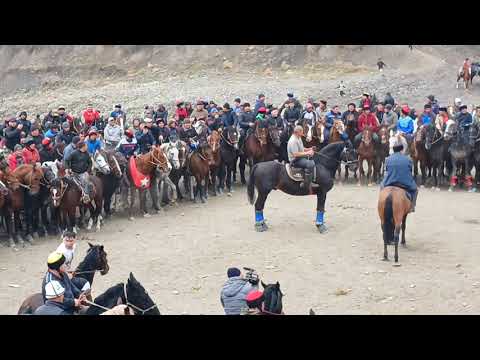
(227, 65)
(341, 292)
(175, 292)
(284, 66)
(458, 265)
(413, 286)
(14, 285)
(270, 267)
(289, 72)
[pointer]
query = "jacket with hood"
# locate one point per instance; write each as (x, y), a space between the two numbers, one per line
(112, 133)
(233, 295)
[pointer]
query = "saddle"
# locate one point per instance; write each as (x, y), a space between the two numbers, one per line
(298, 174)
(141, 181)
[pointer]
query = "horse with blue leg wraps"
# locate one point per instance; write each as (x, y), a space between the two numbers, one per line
(271, 175)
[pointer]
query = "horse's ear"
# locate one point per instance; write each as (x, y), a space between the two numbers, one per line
(90, 244)
(101, 247)
(263, 284)
(277, 285)
(131, 277)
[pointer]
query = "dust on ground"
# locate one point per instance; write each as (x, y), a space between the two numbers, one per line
(181, 256)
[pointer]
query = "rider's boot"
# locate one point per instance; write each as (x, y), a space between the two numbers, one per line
(414, 202)
(307, 179)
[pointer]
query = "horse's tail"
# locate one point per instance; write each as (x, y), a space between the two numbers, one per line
(388, 223)
(251, 185)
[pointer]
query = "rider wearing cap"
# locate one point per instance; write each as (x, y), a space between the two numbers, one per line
(78, 165)
(180, 113)
(260, 103)
(94, 144)
(22, 119)
(13, 133)
(66, 135)
(188, 134)
(72, 296)
(199, 113)
(46, 152)
(145, 137)
(118, 112)
(434, 104)
(427, 117)
(464, 118)
(366, 119)
(128, 145)
(260, 120)
(36, 135)
(52, 132)
(30, 153)
(405, 124)
(309, 114)
(398, 172)
(55, 297)
(90, 115)
(112, 133)
(228, 117)
(246, 122)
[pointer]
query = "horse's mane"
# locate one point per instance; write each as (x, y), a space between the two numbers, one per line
(272, 298)
(110, 296)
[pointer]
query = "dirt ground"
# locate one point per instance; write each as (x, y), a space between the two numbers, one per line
(181, 255)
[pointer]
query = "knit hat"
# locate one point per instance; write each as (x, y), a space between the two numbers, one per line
(29, 141)
(17, 147)
(232, 272)
(75, 140)
(66, 125)
(55, 260)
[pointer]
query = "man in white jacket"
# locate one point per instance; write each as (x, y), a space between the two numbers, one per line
(112, 133)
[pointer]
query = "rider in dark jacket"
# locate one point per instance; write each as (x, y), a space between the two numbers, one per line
(398, 172)
(464, 118)
(12, 134)
(145, 140)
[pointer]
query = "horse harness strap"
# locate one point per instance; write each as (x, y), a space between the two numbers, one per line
(143, 311)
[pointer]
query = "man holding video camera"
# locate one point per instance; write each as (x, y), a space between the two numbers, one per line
(235, 290)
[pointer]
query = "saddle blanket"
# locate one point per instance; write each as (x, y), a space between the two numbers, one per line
(140, 180)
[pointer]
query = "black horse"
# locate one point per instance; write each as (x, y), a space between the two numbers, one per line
(460, 150)
(475, 138)
(284, 137)
(228, 156)
(272, 175)
(435, 145)
(112, 181)
(272, 303)
(132, 294)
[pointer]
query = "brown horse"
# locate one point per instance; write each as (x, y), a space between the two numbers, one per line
(147, 165)
(337, 127)
(366, 152)
(199, 163)
(464, 73)
(393, 208)
(214, 142)
(314, 135)
(67, 196)
(262, 145)
(23, 183)
(419, 154)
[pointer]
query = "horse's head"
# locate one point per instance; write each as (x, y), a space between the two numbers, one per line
(214, 140)
(57, 189)
(350, 121)
(350, 158)
(116, 162)
(58, 151)
(138, 299)
(367, 135)
(432, 134)
(48, 174)
(97, 257)
(272, 302)
(100, 163)
(207, 153)
(274, 134)
(262, 135)
(159, 159)
(171, 152)
(383, 135)
(231, 136)
(420, 134)
(30, 176)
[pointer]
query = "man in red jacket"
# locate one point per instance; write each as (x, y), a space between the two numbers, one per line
(90, 115)
(30, 153)
(364, 120)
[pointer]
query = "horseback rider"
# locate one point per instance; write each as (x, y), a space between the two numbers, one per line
(118, 112)
(145, 137)
(66, 135)
(246, 121)
(309, 115)
(260, 120)
(199, 113)
(398, 172)
(30, 152)
(47, 152)
(296, 104)
(228, 117)
(67, 248)
(189, 135)
(55, 299)
(464, 119)
(112, 134)
(234, 292)
(298, 155)
(365, 101)
(292, 113)
(466, 66)
(275, 119)
(128, 144)
(405, 124)
(77, 166)
(434, 103)
(390, 118)
(94, 144)
(52, 132)
(427, 117)
(389, 99)
(366, 119)
(72, 296)
(260, 103)
(351, 110)
(90, 115)
(70, 148)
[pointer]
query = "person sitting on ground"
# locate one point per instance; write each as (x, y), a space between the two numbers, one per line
(112, 133)
(234, 292)
(366, 119)
(128, 146)
(16, 158)
(78, 166)
(55, 300)
(30, 153)
(390, 118)
(72, 296)
(398, 172)
(298, 156)
(405, 124)
(254, 302)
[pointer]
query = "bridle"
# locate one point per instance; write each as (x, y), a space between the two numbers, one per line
(63, 189)
(228, 141)
(157, 162)
(128, 303)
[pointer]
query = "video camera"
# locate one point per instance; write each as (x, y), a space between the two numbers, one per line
(251, 276)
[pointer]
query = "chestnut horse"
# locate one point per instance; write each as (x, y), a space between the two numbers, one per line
(214, 142)
(199, 163)
(393, 208)
(420, 155)
(146, 164)
(382, 149)
(366, 152)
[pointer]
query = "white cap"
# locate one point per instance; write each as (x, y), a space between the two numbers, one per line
(458, 101)
(53, 289)
(147, 120)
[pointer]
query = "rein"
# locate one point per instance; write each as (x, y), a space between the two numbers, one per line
(338, 161)
(143, 311)
(85, 272)
(227, 141)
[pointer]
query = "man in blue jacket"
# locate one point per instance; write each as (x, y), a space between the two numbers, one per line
(259, 103)
(398, 172)
(234, 292)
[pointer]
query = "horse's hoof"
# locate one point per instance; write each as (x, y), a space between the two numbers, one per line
(131, 218)
(29, 239)
(385, 259)
(437, 189)
(11, 243)
(261, 227)
(229, 194)
(203, 200)
(147, 215)
(450, 189)
(322, 228)
(35, 235)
